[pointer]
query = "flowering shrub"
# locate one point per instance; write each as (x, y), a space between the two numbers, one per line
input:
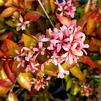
(49, 48)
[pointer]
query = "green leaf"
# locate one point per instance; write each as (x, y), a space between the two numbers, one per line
(10, 23)
(76, 89)
(47, 6)
(69, 84)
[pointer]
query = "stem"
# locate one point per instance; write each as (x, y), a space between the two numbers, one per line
(45, 13)
(10, 91)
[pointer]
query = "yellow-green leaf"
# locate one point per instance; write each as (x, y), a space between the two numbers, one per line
(47, 6)
(52, 4)
(3, 74)
(77, 73)
(8, 12)
(1, 2)
(10, 23)
(29, 41)
(12, 97)
(24, 79)
(76, 89)
(51, 69)
(69, 84)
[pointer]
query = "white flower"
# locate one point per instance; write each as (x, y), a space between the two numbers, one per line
(21, 25)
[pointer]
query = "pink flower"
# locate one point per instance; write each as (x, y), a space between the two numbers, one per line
(21, 25)
(67, 43)
(66, 8)
(40, 49)
(40, 83)
(62, 72)
(26, 58)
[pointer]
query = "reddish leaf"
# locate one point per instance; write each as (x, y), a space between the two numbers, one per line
(92, 45)
(1, 54)
(32, 93)
(32, 16)
(63, 20)
(9, 47)
(6, 36)
(95, 44)
(4, 86)
(5, 83)
(8, 71)
(87, 60)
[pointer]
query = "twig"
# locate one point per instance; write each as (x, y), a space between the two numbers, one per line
(45, 13)
(10, 91)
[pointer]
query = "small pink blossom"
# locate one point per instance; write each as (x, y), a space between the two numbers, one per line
(40, 49)
(66, 8)
(40, 83)
(26, 58)
(62, 72)
(21, 25)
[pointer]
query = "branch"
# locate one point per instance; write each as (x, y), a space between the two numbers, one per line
(45, 13)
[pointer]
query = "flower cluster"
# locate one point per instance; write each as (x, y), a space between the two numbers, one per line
(40, 83)
(66, 8)
(26, 59)
(66, 45)
(86, 90)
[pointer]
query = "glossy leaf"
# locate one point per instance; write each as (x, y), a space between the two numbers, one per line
(3, 75)
(63, 20)
(69, 84)
(4, 87)
(76, 89)
(8, 71)
(9, 3)
(90, 26)
(12, 97)
(47, 6)
(27, 4)
(77, 73)
(52, 4)
(88, 6)
(7, 36)
(8, 12)
(9, 47)
(24, 79)
(1, 2)
(87, 60)
(29, 41)
(1, 54)
(51, 69)
(32, 16)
